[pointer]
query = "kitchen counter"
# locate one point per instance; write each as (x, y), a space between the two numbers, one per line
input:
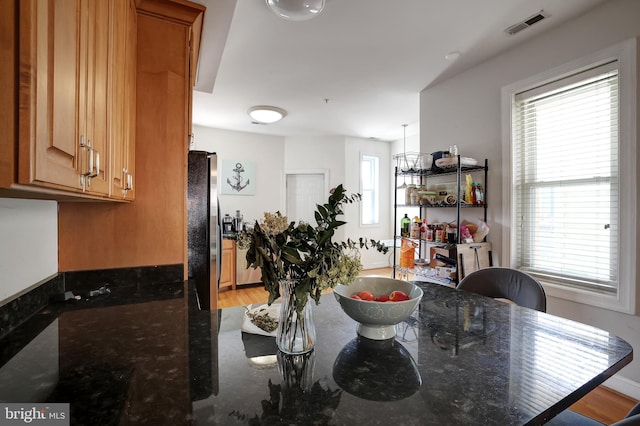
(147, 355)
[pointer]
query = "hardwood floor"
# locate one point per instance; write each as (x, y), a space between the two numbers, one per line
(603, 404)
(255, 293)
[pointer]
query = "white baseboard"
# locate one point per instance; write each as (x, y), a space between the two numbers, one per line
(624, 386)
(375, 265)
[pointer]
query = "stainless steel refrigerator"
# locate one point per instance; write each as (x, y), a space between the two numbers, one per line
(204, 232)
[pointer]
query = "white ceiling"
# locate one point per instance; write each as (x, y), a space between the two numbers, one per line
(358, 68)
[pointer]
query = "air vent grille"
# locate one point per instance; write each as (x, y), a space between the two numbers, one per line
(516, 28)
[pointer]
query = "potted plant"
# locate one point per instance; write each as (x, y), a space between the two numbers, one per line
(300, 261)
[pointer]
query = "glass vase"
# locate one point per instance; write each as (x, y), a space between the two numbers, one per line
(296, 332)
(296, 371)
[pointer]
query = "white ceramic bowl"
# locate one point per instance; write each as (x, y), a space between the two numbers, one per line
(377, 320)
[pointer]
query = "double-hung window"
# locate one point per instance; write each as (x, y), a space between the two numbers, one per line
(566, 226)
(566, 178)
(370, 190)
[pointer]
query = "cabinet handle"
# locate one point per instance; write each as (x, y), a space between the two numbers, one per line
(86, 156)
(127, 182)
(84, 152)
(94, 164)
(90, 159)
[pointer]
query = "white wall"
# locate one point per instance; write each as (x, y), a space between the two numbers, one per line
(465, 110)
(28, 245)
(354, 148)
(318, 153)
(322, 152)
(267, 152)
(273, 155)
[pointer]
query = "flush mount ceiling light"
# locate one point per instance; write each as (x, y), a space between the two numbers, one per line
(296, 10)
(266, 114)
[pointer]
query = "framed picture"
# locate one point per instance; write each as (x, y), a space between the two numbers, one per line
(238, 177)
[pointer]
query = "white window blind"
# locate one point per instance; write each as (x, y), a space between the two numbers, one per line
(566, 179)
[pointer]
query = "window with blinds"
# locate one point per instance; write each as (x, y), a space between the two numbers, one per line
(566, 179)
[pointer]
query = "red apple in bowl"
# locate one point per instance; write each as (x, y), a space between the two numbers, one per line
(382, 298)
(398, 296)
(366, 295)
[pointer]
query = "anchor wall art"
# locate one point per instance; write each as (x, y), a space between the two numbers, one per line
(238, 177)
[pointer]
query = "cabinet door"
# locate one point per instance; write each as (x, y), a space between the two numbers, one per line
(63, 95)
(49, 93)
(129, 135)
(94, 67)
(123, 98)
(228, 272)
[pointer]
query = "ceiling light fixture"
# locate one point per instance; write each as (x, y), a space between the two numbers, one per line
(266, 114)
(296, 10)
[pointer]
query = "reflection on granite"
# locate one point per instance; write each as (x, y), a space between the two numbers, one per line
(297, 399)
(460, 359)
(123, 286)
(98, 393)
(18, 310)
(84, 281)
(362, 369)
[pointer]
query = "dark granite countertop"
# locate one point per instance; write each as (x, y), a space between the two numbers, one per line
(147, 355)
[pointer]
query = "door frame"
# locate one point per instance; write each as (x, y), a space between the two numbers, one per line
(287, 172)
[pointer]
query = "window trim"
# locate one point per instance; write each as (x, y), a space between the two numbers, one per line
(626, 297)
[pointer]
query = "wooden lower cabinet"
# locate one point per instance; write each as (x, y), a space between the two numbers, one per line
(228, 273)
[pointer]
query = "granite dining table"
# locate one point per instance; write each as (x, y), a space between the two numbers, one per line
(148, 355)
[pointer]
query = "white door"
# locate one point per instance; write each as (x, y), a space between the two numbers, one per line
(304, 192)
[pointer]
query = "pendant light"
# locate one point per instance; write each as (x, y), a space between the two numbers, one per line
(296, 10)
(404, 149)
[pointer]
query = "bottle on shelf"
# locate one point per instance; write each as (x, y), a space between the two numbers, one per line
(405, 223)
(423, 230)
(429, 234)
(473, 194)
(479, 194)
(415, 228)
(438, 234)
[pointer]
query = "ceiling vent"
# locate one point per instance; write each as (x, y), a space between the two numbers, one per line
(516, 28)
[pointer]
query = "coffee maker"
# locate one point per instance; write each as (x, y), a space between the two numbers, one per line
(227, 225)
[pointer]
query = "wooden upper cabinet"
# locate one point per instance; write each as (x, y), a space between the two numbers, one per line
(93, 111)
(49, 93)
(122, 103)
(75, 93)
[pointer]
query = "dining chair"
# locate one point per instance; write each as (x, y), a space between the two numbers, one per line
(512, 284)
(572, 418)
